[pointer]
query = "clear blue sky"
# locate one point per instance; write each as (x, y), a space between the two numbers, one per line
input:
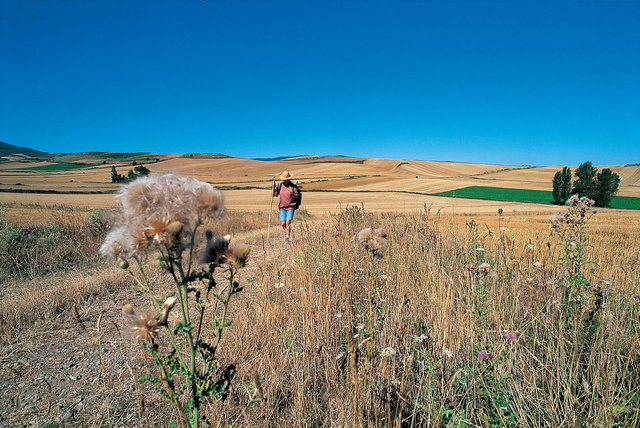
(510, 82)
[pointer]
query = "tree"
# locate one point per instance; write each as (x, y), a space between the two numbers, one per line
(606, 186)
(585, 183)
(562, 186)
(141, 170)
(114, 174)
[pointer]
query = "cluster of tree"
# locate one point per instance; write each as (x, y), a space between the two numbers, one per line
(131, 175)
(599, 186)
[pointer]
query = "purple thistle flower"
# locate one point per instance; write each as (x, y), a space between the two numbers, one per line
(510, 337)
(636, 296)
(483, 355)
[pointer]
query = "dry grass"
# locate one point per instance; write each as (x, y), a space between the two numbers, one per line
(322, 319)
(419, 318)
(40, 301)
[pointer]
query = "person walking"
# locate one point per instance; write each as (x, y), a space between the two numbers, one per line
(289, 200)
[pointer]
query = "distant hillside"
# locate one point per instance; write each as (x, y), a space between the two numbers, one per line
(278, 158)
(9, 149)
(106, 156)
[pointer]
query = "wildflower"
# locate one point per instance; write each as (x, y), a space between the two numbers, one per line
(373, 240)
(480, 250)
(531, 247)
(156, 209)
(492, 275)
(636, 296)
(364, 235)
(238, 255)
(447, 352)
(483, 355)
(605, 281)
(504, 229)
(381, 232)
(217, 251)
(471, 223)
(278, 285)
(157, 230)
(537, 265)
(209, 201)
(118, 243)
(178, 198)
(510, 337)
(338, 315)
(573, 200)
(165, 309)
(359, 326)
(484, 268)
(419, 339)
(387, 352)
(144, 326)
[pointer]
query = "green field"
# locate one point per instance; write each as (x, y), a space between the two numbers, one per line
(55, 167)
(525, 195)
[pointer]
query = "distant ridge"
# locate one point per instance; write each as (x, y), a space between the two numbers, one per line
(278, 158)
(9, 149)
(299, 156)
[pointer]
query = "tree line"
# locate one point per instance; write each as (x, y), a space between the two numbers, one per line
(131, 175)
(599, 186)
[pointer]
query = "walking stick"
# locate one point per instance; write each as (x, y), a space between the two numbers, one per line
(270, 210)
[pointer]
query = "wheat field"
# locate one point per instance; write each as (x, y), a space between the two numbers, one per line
(461, 319)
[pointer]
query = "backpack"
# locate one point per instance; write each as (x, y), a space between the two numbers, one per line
(297, 200)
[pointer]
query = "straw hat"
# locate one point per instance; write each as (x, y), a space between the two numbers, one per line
(285, 175)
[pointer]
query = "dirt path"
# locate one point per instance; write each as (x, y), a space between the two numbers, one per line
(72, 374)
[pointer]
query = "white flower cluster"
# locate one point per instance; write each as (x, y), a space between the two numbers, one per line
(159, 207)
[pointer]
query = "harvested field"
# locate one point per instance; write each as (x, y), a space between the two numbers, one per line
(339, 174)
(415, 305)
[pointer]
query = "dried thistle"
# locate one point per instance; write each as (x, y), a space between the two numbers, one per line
(373, 241)
(144, 326)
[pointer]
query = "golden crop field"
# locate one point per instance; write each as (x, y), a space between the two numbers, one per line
(383, 309)
(333, 182)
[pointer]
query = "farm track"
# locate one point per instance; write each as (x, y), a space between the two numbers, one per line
(82, 373)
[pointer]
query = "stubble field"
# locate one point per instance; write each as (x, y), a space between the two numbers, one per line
(326, 333)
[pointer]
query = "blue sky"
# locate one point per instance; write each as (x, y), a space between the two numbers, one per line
(509, 82)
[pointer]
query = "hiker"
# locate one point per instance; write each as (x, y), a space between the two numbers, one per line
(290, 197)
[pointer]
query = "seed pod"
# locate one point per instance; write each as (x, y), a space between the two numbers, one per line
(124, 264)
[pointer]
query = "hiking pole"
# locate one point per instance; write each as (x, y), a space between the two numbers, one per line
(270, 210)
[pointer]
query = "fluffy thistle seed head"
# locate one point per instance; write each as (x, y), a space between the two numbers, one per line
(157, 231)
(144, 326)
(238, 255)
(484, 268)
(380, 232)
(374, 240)
(364, 235)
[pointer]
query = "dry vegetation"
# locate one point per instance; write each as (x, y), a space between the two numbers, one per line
(326, 334)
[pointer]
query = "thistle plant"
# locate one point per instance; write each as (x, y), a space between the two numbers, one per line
(161, 215)
(571, 226)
